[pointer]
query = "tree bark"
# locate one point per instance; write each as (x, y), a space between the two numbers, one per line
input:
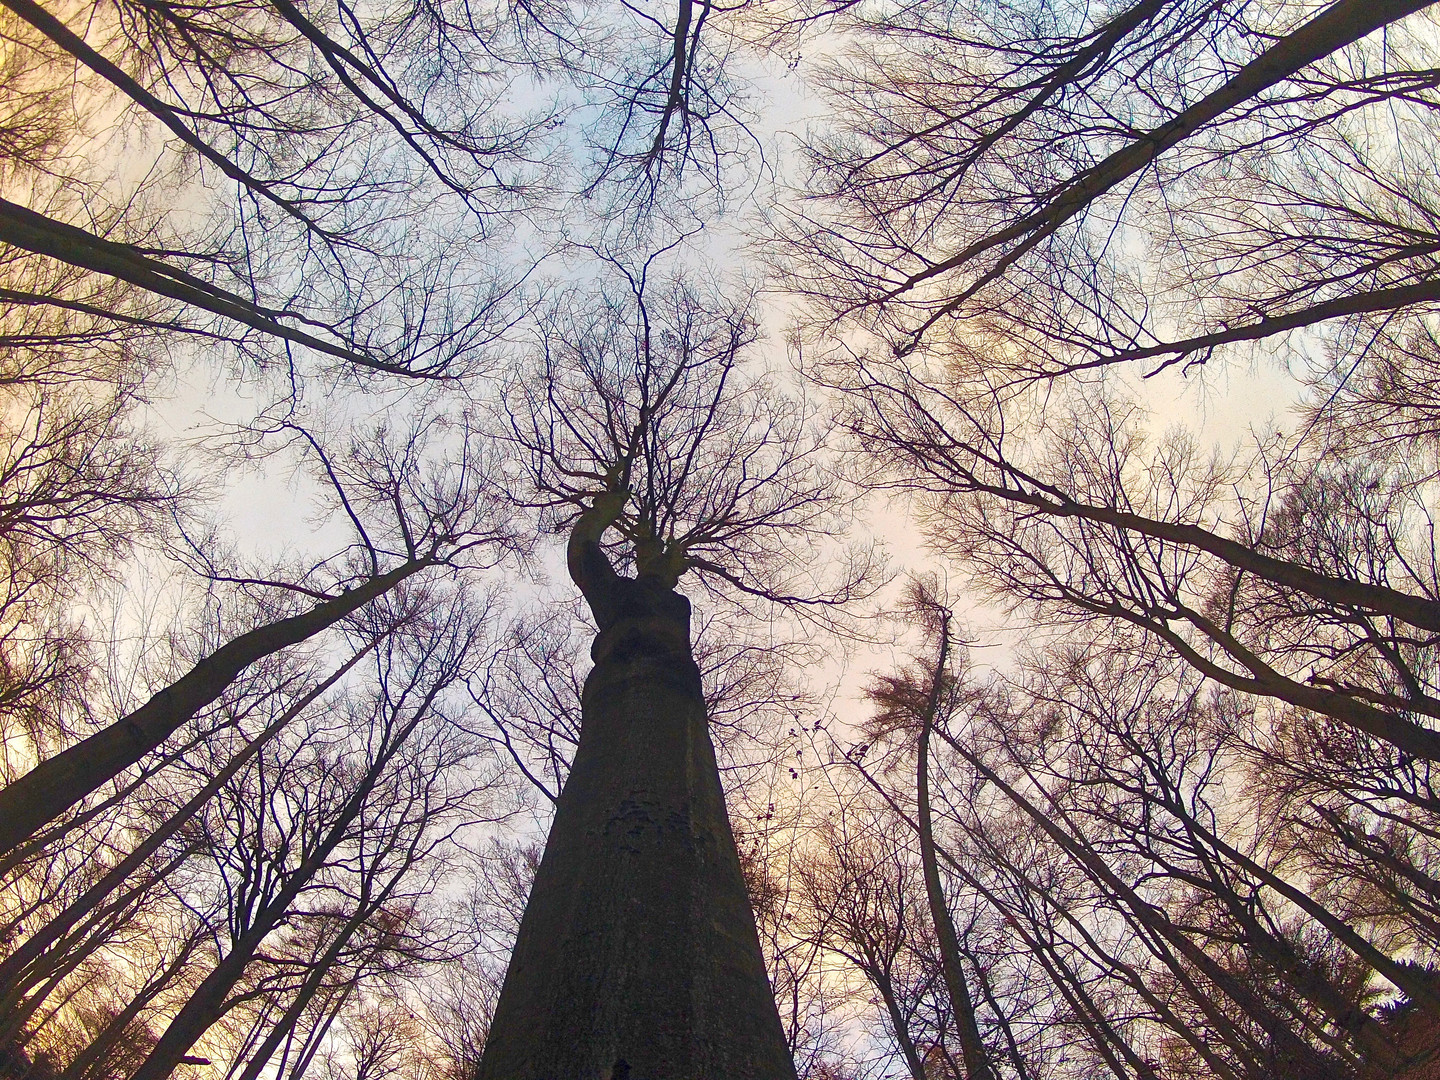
(637, 956)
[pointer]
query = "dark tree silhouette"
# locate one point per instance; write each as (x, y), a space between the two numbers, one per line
(352, 828)
(988, 164)
(433, 525)
(638, 952)
(1225, 730)
(266, 100)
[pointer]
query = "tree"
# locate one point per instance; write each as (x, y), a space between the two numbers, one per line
(1157, 919)
(253, 95)
(381, 795)
(110, 899)
(59, 940)
(436, 525)
(859, 890)
(638, 949)
(1013, 205)
(1136, 534)
(899, 699)
(989, 165)
(75, 501)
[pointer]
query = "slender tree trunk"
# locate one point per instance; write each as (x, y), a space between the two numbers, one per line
(119, 1027)
(1157, 921)
(284, 1026)
(637, 955)
(1338, 25)
(1017, 1059)
(319, 969)
(1108, 1042)
(58, 783)
(25, 990)
(12, 969)
(880, 979)
(23, 228)
(972, 1046)
(208, 1003)
(1416, 989)
(1155, 942)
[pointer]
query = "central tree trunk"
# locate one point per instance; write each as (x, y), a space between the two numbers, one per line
(637, 955)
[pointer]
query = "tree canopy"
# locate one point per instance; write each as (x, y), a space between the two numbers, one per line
(338, 342)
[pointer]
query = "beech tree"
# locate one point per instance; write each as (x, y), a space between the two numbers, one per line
(988, 165)
(438, 521)
(1083, 806)
(357, 838)
(1015, 211)
(278, 105)
(333, 876)
(641, 419)
(75, 502)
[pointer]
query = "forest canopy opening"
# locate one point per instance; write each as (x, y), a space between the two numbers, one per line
(362, 366)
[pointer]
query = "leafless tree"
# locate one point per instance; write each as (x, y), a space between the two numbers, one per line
(280, 103)
(340, 858)
(1089, 802)
(1318, 595)
(1153, 182)
(1013, 196)
(408, 516)
(860, 889)
(702, 464)
(640, 419)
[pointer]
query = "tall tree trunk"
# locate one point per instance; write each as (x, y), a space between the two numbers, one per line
(58, 783)
(972, 1046)
(208, 1002)
(879, 975)
(13, 967)
(119, 1027)
(637, 955)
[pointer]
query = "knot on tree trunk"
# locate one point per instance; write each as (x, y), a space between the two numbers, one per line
(644, 627)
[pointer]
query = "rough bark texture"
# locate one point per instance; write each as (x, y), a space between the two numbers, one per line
(637, 956)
